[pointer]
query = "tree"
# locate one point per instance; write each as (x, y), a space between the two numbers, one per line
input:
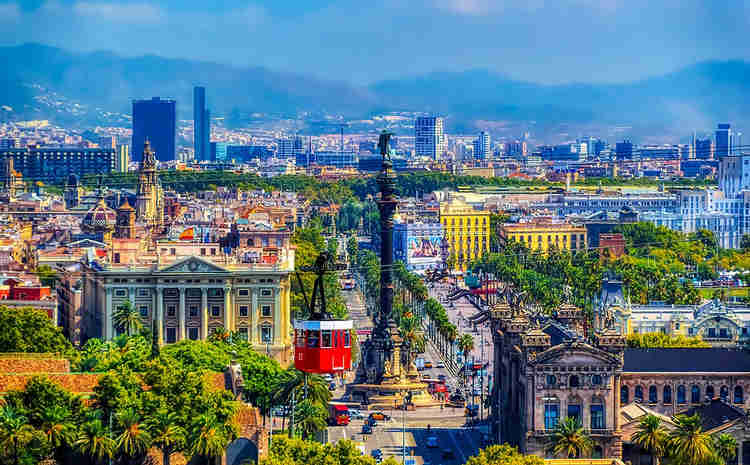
(59, 428)
(310, 417)
(134, 440)
(503, 454)
(210, 440)
(745, 243)
(15, 433)
(166, 432)
(466, 344)
(725, 447)
(688, 443)
(651, 437)
(127, 318)
(47, 275)
(30, 330)
(570, 440)
(94, 441)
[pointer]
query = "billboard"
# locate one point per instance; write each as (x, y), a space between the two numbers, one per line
(423, 250)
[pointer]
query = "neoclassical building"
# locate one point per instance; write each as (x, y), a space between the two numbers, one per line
(188, 297)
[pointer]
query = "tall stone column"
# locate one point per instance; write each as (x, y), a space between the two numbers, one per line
(109, 330)
(181, 314)
(228, 309)
(254, 316)
(204, 313)
(160, 314)
(277, 323)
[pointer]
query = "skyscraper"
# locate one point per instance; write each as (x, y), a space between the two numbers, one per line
(704, 149)
(624, 150)
(723, 145)
(429, 140)
(154, 120)
(482, 146)
(201, 125)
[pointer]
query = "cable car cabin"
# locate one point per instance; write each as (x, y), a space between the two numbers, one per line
(323, 346)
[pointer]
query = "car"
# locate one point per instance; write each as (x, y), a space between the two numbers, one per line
(379, 416)
(432, 442)
(448, 454)
(366, 429)
(427, 364)
(440, 365)
(426, 376)
(356, 414)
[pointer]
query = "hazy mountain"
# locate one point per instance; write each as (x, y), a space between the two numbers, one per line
(693, 97)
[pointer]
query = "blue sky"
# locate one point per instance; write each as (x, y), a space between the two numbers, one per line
(365, 41)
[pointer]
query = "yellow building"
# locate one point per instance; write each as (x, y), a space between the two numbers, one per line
(543, 236)
(467, 231)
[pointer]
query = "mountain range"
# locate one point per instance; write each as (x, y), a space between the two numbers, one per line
(697, 96)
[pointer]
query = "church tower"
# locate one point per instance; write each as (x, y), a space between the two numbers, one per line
(149, 207)
(125, 225)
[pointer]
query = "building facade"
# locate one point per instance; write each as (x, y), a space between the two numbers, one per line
(542, 236)
(418, 245)
(55, 164)
(429, 140)
(467, 231)
(155, 120)
(482, 146)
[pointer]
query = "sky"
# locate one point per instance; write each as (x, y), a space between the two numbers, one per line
(548, 41)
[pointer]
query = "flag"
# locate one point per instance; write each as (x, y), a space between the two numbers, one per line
(187, 235)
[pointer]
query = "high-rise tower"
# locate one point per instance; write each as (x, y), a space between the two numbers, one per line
(429, 140)
(201, 125)
(723, 146)
(155, 120)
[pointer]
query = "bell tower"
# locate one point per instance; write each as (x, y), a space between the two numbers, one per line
(125, 225)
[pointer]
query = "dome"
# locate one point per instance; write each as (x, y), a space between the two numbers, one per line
(99, 218)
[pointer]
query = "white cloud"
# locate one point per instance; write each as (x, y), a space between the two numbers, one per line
(119, 12)
(470, 7)
(9, 12)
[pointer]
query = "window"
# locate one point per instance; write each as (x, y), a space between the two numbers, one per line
(624, 395)
(172, 251)
(312, 339)
(551, 380)
(244, 292)
(667, 395)
(711, 332)
(724, 393)
(171, 310)
(652, 396)
(120, 293)
(143, 292)
(265, 334)
(266, 310)
(193, 310)
(203, 251)
(215, 310)
(723, 333)
(695, 394)
(738, 395)
(193, 334)
(597, 414)
(265, 292)
(596, 380)
(574, 411)
(117, 257)
(213, 251)
(144, 310)
(171, 335)
(243, 310)
(347, 338)
(681, 396)
(551, 415)
(573, 381)
(709, 392)
(243, 334)
(326, 338)
(638, 394)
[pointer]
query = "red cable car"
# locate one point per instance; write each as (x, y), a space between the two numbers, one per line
(322, 344)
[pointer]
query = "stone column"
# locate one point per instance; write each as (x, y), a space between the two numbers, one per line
(254, 314)
(181, 314)
(204, 313)
(108, 326)
(160, 314)
(277, 316)
(228, 310)
(616, 409)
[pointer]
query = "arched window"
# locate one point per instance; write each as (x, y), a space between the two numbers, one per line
(724, 393)
(574, 409)
(551, 413)
(596, 380)
(638, 394)
(667, 395)
(738, 395)
(551, 380)
(573, 381)
(709, 392)
(681, 399)
(624, 395)
(652, 396)
(695, 394)
(597, 413)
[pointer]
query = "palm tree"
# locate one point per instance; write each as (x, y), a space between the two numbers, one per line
(94, 441)
(311, 387)
(689, 444)
(59, 428)
(135, 440)
(409, 330)
(15, 432)
(570, 440)
(311, 418)
(651, 437)
(166, 433)
(209, 440)
(725, 447)
(127, 318)
(466, 344)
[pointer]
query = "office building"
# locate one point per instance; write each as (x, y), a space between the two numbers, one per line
(704, 149)
(624, 150)
(429, 140)
(467, 231)
(108, 142)
(724, 139)
(417, 245)
(123, 158)
(337, 159)
(55, 164)
(9, 143)
(516, 149)
(482, 146)
(248, 152)
(155, 120)
(201, 125)
(541, 236)
(219, 151)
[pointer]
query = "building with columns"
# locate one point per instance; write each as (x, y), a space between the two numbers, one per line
(191, 296)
